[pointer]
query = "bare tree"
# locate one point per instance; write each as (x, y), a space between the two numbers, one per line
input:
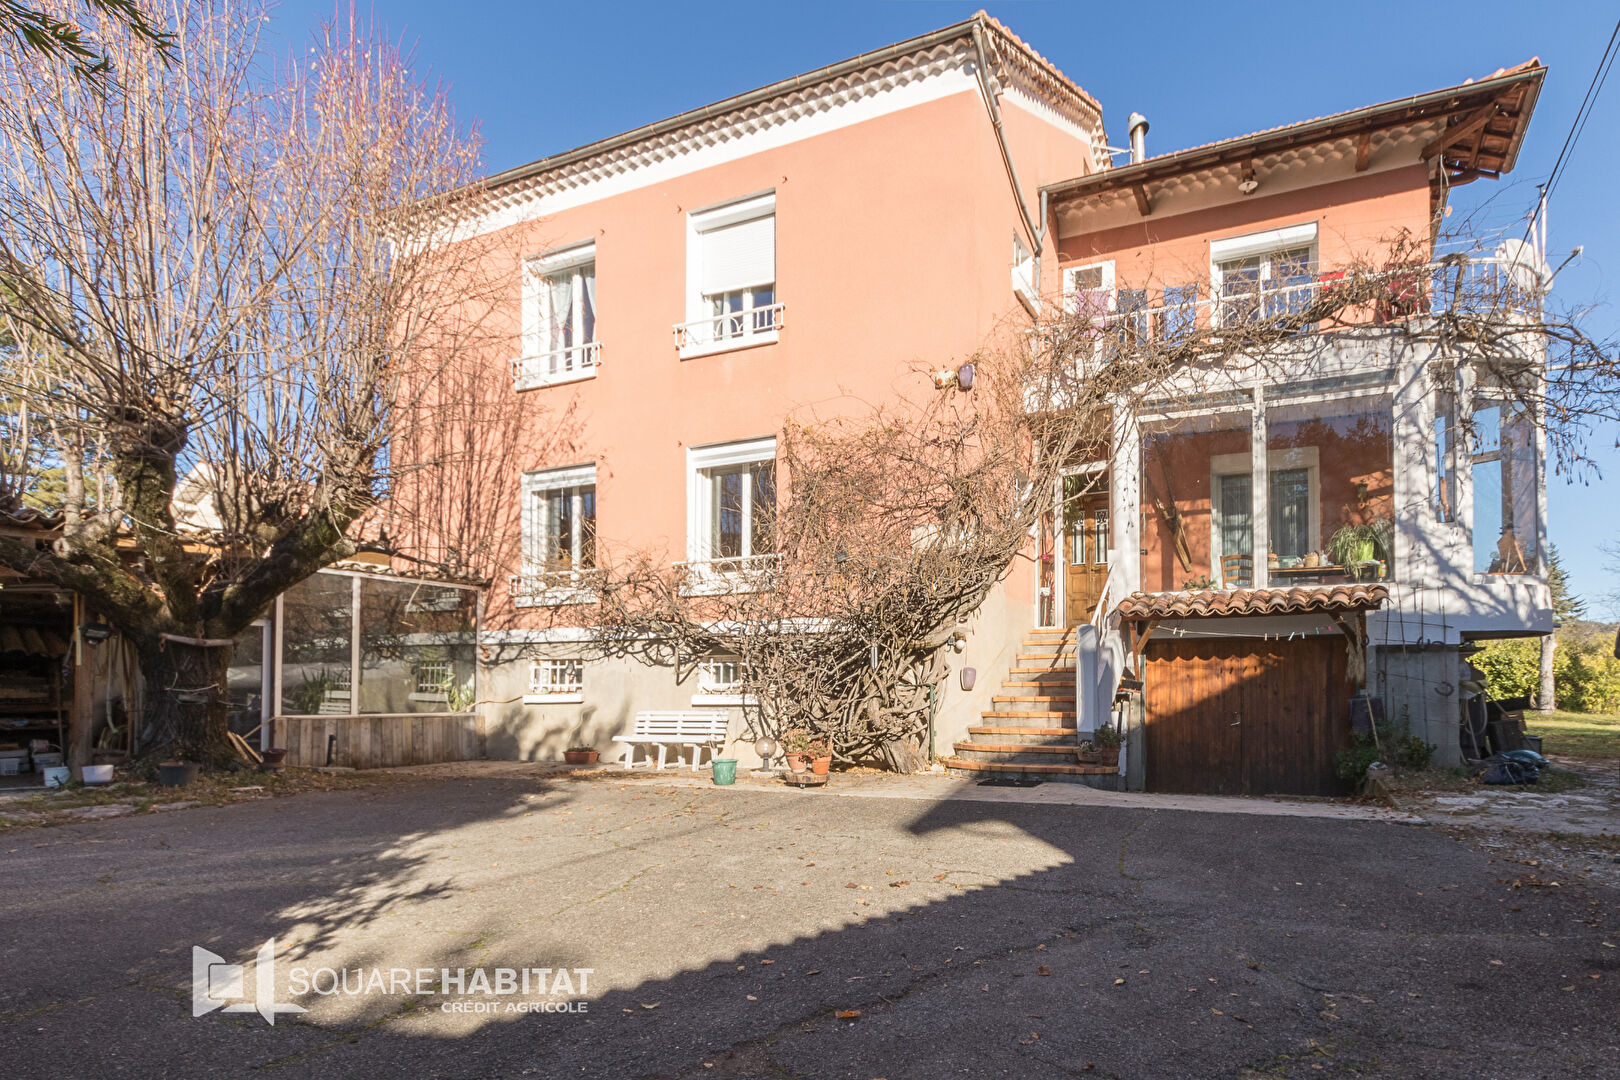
(237, 282)
(897, 524)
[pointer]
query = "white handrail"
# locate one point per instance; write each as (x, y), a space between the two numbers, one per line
(730, 326)
(559, 365)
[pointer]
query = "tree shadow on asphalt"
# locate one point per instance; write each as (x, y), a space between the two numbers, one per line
(1132, 942)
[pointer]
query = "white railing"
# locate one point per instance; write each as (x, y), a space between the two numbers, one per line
(1457, 283)
(730, 328)
(738, 573)
(559, 365)
(571, 586)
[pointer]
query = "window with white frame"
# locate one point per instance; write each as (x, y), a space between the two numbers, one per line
(555, 680)
(432, 680)
(1089, 290)
(559, 318)
(732, 272)
(732, 499)
(721, 681)
(1264, 275)
(1023, 273)
(559, 531)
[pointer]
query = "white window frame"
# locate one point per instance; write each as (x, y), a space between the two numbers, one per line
(434, 691)
(1024, 272)
(1070, 290)
(1263, 244)
(701, 463)
(713, 689)
(545, 690)
(537, 485)
(694, 336)
(533, 367)
(1297, 457)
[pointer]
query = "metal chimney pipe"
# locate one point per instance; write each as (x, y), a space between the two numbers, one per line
(1139, 127)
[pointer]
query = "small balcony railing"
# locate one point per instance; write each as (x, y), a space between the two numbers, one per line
(733, 328)
(1477, 285)
(557, 366)
(737, 573)
(564, 586)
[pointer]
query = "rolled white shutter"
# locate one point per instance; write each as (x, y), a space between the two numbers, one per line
(739, 255)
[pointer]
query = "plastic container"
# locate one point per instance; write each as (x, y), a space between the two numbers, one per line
(725, 771)
(177, 773)
(57, 776)
(98, 774)
(10, 766)
(47, 759)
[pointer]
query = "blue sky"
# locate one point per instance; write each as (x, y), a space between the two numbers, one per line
(539, 77)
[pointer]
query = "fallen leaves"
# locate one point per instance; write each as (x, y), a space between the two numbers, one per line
(849, 1014)
(1043, 970)
(654, 1005)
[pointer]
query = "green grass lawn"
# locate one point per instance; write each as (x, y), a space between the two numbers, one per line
(1591, 735)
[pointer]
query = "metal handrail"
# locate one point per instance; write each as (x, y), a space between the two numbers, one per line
(575, 361)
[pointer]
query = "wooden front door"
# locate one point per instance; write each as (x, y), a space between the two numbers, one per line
(1085, 554)
(1243, 716)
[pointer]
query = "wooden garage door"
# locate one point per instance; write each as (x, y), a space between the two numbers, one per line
(1241, 716)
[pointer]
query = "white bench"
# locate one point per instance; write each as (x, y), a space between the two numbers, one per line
(699, 730)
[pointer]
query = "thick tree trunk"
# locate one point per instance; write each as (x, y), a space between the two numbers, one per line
(186, 702)
(905, 756)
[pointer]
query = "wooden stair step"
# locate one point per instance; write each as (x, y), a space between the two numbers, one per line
(1010, 682)
(1034, 767)
(1032, 732)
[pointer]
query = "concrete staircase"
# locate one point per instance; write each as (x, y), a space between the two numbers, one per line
(1030, 731)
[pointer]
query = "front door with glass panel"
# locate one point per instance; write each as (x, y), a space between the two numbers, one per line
(1085, 545)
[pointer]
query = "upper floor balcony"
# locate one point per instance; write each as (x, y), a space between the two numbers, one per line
(1244, 297)
(733, 328)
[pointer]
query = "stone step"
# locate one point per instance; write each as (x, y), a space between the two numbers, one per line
(1031, 714)
(1023, 734)
(1041, 769)
(1055, 675)
(1061, 682)
(977, 750)
(1062, 659)
(1035, 699)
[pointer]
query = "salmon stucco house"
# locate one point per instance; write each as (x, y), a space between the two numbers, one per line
(685, 287)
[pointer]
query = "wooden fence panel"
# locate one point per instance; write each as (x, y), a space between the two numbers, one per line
(379, 742)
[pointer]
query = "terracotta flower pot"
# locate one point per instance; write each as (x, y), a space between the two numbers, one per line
(796, 763)
(1088, 757)
(821, 764)
(1108, 755)
(275, 758)
(581, 757)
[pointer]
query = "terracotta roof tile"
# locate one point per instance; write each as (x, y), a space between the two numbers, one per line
(1213, 603)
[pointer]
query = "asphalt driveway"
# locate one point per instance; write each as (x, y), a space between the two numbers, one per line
(721, 933)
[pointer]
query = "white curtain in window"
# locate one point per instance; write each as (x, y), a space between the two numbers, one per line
(737, 256)
(589, 274)
(560, 309)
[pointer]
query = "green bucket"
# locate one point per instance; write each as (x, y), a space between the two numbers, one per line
(725, 770)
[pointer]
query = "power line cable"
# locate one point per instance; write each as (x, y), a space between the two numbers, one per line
(1578, 126)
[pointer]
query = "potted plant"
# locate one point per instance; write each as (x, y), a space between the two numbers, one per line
(795, 747)
(177, 773)
(1356, 547)
(820, 754)
(581, 755)
(1088, 754)
(1108, 740)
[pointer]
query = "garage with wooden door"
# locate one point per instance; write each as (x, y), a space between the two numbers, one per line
(1247, 692)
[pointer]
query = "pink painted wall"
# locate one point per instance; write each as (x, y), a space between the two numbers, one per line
(894, 242)
(1356, 218)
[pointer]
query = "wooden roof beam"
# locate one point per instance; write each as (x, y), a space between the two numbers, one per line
(1451, 136)
(1143, 205)
(1363, 151)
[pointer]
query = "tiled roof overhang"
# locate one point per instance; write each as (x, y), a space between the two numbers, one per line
(1250, 602)
(1484, 125)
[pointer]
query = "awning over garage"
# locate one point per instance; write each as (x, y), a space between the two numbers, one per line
(1250, 602)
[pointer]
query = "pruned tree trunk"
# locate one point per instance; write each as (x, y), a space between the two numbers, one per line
(187, 698)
